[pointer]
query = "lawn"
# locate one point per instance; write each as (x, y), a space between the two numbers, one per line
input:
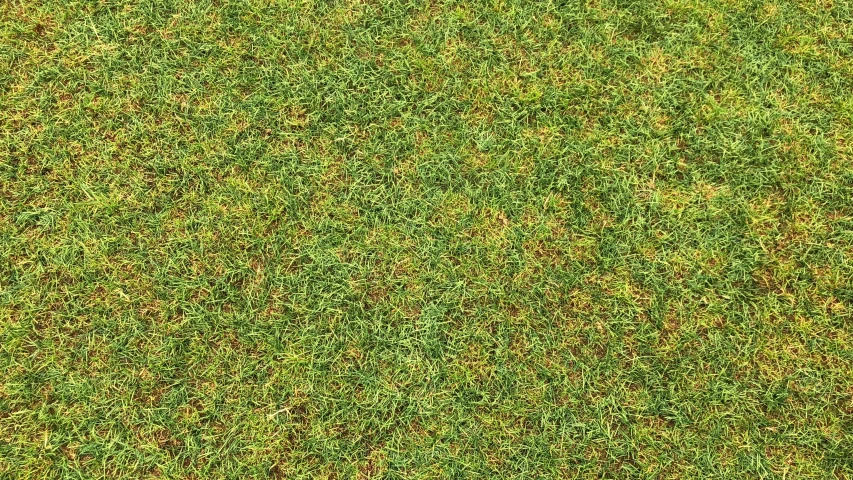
(426, 239)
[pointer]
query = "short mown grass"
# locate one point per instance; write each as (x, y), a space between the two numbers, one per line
(426, 239)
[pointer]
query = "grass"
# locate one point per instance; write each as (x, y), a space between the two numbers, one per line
(426, 239)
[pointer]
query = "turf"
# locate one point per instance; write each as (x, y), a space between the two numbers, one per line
(432, 239)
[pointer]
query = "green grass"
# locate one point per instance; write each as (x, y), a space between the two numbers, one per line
(441, 239)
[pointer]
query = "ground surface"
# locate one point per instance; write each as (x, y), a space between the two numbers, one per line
(426, 240)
